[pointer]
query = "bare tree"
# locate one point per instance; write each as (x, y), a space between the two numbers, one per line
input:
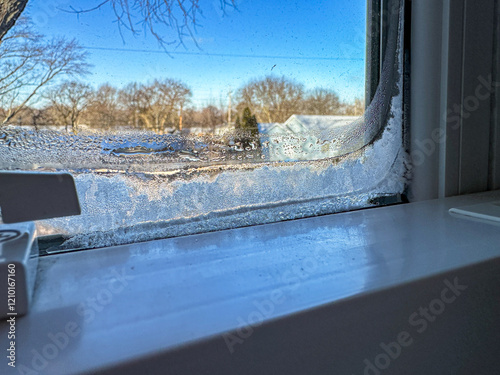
(10, 11)
(68, 100)
(19, 54)
(322, 102)
(35, 116)
(272, 99)
(190, 118)
(28, 62)
(160, 103)
(355, 109)
(155, 16)
(103, 111)
(211, 116)
(130, 101)
(153, 110)
(133, 15)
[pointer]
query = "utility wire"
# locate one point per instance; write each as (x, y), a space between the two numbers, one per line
(225, 54)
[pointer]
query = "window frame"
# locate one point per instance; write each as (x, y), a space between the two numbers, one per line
(454, 45)
(377, 44)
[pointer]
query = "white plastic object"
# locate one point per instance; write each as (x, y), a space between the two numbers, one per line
(18, 265)
(489, 211)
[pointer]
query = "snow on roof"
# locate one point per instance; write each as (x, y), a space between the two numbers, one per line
(320, 123)
(321, 127)
(271, 128)
(308, 137)
(306, 123)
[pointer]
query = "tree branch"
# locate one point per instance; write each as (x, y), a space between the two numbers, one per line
(10, 10)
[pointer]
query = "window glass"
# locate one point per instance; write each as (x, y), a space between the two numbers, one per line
(199, 117)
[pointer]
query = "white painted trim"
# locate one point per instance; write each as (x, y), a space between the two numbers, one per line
(346, 279)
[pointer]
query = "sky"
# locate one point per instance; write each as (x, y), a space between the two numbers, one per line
(317, 43)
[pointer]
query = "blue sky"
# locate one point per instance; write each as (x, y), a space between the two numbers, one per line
(317, 43)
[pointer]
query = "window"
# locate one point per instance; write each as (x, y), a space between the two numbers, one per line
(248, 113)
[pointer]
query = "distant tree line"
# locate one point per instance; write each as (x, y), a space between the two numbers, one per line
(165, 104)
(275, 99)
(42, 83)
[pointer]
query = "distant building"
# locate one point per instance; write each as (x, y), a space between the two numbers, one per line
(304, 137)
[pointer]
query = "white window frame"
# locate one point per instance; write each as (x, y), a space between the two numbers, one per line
(455, 127)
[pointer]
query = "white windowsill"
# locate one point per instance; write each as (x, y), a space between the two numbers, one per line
(184, 290)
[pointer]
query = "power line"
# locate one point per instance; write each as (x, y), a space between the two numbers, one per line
(226, 54)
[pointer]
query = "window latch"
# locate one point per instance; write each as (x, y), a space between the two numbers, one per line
(25, 197)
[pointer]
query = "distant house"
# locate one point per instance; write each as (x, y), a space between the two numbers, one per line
(304, 137)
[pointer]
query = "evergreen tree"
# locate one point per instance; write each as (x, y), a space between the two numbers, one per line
(249, 123)
(247, 130)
